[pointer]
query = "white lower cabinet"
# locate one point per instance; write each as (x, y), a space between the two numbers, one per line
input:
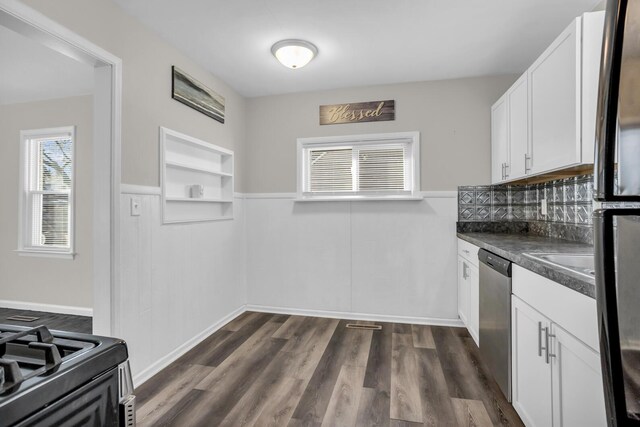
(473, 321)
(556, 377)
(578, 397)
(463, 290)
(469, 288)
(531, 375)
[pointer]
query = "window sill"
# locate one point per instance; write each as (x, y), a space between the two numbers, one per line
(358, 199)
(46, 254)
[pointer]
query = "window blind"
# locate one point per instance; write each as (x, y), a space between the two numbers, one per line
(381, 169)
(50, 166)
(331, 170)
(357, 168)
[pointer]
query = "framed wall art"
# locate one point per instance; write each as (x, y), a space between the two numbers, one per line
(196, 95)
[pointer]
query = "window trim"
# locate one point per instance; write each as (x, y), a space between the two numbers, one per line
(23, 232)
(303, 144)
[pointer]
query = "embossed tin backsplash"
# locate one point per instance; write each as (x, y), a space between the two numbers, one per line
(569, 201)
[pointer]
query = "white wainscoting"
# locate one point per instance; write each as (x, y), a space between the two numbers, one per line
(374, 259)
(179, 282)
(385, 260)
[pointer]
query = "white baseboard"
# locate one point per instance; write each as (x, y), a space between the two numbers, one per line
(357, 316)
(50, 308)
(165, 361)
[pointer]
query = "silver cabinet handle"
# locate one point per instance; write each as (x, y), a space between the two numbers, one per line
(548, 337)
(527, 163)
(540, 348)
(466, 251)
(507, 170)
(465, 269)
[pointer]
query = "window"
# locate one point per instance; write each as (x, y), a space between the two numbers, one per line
(46, 193)
(359, 167)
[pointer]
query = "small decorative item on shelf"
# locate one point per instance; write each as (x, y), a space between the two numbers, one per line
(196, 191)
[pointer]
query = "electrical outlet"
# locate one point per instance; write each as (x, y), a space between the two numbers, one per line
(135, 206)
(543, 207)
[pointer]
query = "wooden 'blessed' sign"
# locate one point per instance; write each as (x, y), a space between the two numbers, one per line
(374, 111)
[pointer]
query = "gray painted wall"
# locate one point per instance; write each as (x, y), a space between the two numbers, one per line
(453, 117)
(147, 103)
(37, 279)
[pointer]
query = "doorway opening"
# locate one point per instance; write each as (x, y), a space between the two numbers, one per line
(65, 187)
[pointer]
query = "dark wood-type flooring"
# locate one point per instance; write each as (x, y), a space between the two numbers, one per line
(277, 370)
(61, 322)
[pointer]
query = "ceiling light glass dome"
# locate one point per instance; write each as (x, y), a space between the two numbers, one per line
(294, 53)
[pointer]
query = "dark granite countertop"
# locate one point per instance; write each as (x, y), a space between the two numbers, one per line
(514, 246)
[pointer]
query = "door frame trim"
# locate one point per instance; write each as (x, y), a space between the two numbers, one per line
(107, 139)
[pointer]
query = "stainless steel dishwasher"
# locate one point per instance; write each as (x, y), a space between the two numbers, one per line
(495, 317)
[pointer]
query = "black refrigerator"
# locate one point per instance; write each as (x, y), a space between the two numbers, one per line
(617, 221)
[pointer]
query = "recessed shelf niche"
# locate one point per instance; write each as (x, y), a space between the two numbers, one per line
(186, 162)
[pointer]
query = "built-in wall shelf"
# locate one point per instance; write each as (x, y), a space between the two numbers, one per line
(192, 200)
(188, 164)
(174, 164)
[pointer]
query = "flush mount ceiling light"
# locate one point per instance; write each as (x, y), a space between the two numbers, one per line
(294, 53)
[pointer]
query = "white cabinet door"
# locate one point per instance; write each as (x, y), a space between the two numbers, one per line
(473, 319)
(592, 25)
(531, 375)
(518, 108)
(499, 139)
(578, 396)
(554, 91)
(463, 290)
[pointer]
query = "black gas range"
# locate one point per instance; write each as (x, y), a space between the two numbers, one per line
(54, 378)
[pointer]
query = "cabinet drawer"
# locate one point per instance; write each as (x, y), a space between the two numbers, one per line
(575, 312)
(468, 251)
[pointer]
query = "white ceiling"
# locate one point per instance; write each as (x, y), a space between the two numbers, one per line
(30, 71)
(361, 42)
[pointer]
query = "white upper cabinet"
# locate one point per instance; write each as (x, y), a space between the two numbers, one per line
(499, 140)
(551, 109)
(555, 103)
(510, 133)
(592, 32)
(518, 100)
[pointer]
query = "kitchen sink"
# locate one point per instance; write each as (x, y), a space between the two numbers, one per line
(582, 263)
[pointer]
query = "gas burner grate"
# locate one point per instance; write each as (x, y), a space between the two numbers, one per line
(48, 357)
(21, 318)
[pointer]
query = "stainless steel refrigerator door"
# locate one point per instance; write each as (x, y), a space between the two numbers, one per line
(617, 164)
(618, 296)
